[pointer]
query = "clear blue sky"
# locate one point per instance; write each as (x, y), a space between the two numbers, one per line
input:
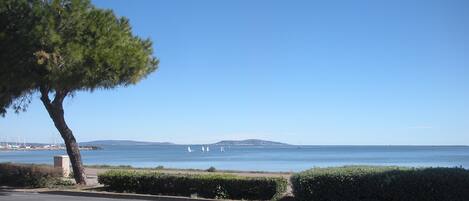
(302, 72)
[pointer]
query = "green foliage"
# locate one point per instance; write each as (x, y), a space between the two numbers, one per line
(203, 185)
(368, 183)
(159, 167)
(22, 175)
(111, 166)
(59, 182)
(67, 46)
(211, 169)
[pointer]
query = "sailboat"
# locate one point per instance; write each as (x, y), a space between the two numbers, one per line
(203, 149)
(222, 149)
(208, 149)
(189, 149)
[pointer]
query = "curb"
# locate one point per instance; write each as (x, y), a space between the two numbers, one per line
(123, 195)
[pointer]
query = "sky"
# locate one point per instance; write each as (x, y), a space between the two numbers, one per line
(301, 72)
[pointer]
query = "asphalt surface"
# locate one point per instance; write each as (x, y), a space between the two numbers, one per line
(32, 196)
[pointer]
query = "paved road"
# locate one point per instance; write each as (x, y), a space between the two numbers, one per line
(31, 196)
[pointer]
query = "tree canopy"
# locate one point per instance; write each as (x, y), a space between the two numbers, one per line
(66, 46)
(62, 46)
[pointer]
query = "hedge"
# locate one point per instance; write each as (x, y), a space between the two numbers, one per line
(29, 175)
(369, 183)
(201, 185)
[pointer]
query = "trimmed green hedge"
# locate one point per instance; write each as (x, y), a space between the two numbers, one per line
(358, 183)
(202, 185)
(28, 175)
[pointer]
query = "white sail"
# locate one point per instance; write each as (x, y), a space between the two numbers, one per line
(222, 149)
(208, 149)
(189, 149)
(203, 149)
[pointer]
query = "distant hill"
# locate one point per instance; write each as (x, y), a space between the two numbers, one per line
(122, 142)
(250, 142)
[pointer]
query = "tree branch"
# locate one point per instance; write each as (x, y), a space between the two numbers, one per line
(59, 97)
(45, 95)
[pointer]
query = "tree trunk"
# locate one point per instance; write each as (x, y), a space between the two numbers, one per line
(56, 112)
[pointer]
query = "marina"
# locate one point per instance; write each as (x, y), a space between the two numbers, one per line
(23, 146)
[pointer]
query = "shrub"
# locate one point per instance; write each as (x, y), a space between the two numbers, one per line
(357, 183)
(28, 175)
(211, 169)
(203, 185)
(159, 167)
(124, 166)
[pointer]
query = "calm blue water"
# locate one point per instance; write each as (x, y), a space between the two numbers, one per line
(295, 158)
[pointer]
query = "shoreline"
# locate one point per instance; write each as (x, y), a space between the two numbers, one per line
(186, 170)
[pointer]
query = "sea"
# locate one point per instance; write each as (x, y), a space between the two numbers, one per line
(257, 158)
